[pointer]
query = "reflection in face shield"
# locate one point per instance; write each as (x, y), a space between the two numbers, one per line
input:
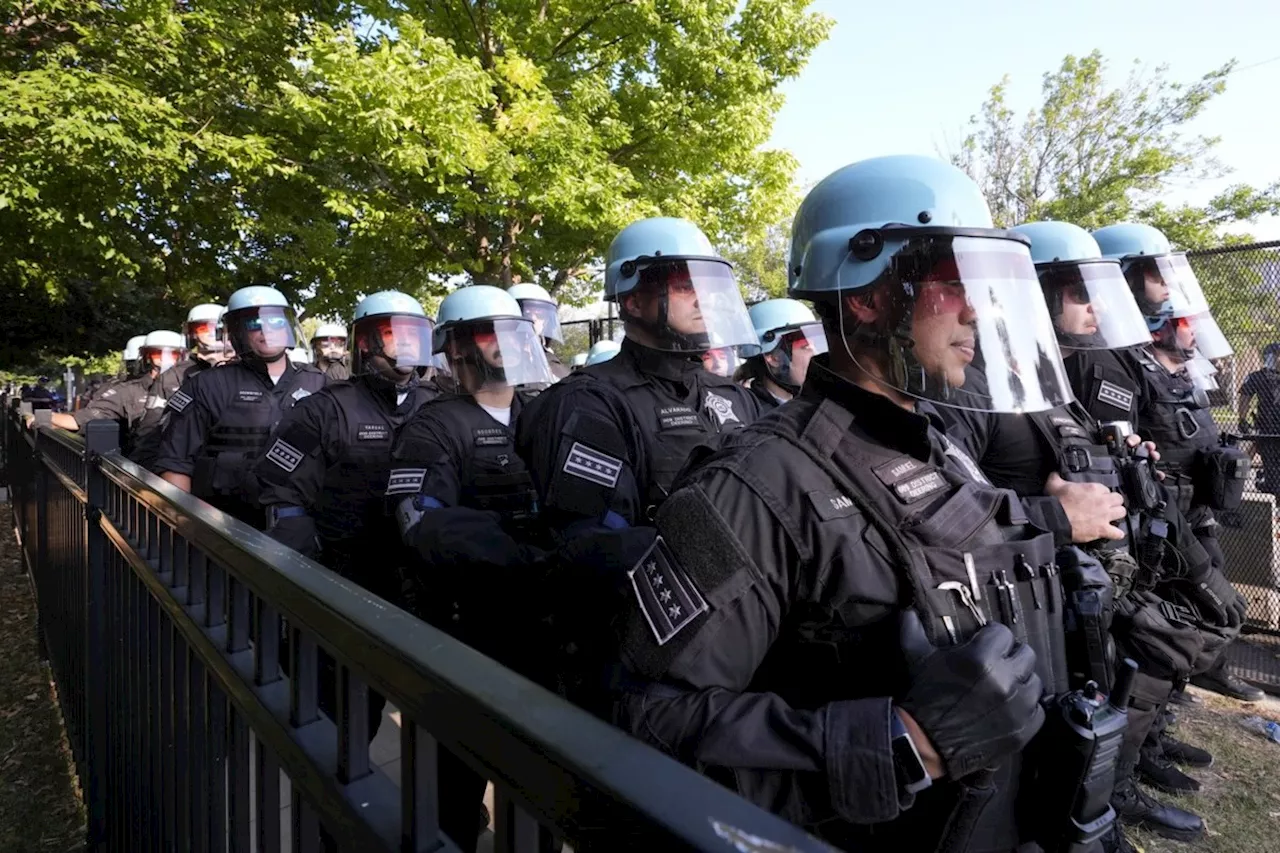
(161, 359)
(722, 361)
(264, 333)
(948, 302)
(491, 354)
(331, 348)
(788, 363)
(395, 346)
(543, 315)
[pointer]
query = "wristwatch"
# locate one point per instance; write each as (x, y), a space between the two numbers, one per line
(907, 766)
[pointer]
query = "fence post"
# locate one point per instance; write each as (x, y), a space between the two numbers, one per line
(38, 565)
(102, 436)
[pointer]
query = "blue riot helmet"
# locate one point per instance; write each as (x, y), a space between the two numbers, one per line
(259, 324)
(540, 309)
(1087, 295)
(673, 289)
(203, 332)
(579, 361)
(132, 354)
(600, 352)
(918, 289)
(391, 337)
(1164, 284)
(488, 341)
(330, 339)
(161, 350)
(789, 337)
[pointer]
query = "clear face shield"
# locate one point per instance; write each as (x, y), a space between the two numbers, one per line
(204, 338)
(1158, 278)
(788, 362)
(264, 333)
(1186, 337)
(690, 306)
(1092, 307)
(161, 359)
(722, 361)
(958, 320)
(492, 354)
(1202, 373)
(330, 348)
(395, 346)
(545, 318)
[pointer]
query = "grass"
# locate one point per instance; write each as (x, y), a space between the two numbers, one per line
(40, 807)
(1240, 794)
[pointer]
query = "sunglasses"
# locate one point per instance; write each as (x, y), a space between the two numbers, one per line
(270, 324)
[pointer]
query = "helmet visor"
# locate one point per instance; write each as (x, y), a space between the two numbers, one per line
(1207, 337)
(161, 358)
(330, 347)
(1165, 277)
(1092, 307)
(545, 318)
(202, 335)
(260, 332)
(403, 339)
(963, 323)
(491, 353)
(722, 361)
(696, 305)
(1201, 373)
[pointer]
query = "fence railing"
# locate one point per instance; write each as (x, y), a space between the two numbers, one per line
(163, 620)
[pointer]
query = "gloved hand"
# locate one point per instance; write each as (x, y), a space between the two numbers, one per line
(1217, 599)
(297, 532)
(978, 702)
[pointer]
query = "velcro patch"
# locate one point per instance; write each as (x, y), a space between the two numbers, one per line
(372, 432)
(406, 481)
(919, 488)
(667, 597)
(285, 455)
(1114, 395)
(677, 417)
(249, 395)
(1072, 431)
(898, 469)
(491, 437)
(179, 401)
(589, 464)
(831, 505)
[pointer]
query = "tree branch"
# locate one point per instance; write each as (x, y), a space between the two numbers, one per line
(586, 25)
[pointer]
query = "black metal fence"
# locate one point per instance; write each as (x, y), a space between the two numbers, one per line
(1242, 284)
(163, 621)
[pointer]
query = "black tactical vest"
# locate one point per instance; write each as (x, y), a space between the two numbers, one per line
(1175, 416)
(1072, 440)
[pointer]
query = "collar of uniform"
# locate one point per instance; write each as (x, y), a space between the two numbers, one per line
(877, 415)
(665, 365)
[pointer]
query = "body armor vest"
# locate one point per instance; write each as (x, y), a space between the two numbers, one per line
(492, 476)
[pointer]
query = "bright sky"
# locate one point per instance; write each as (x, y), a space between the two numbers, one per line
(904, 77)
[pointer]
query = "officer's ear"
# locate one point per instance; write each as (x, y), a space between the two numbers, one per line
(864, 306)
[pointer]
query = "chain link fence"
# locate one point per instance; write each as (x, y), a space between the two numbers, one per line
(1243, 287)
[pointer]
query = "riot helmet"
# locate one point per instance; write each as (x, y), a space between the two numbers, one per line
(132, 355)
(330, 341)
(602, 351)
(161, 350)
(673, 289)
(391, 338)
(488, 341)
(789, 337)
(259, 324)
(540, 309)
(203, 332)
(918, 288)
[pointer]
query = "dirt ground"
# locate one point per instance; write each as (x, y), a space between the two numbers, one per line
(40, 808)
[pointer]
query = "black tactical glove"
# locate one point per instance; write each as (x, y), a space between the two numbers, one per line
(978, 702)
(1218, 601)
(297, 532)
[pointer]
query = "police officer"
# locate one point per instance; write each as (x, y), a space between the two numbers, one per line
(789, 337)
(540, 309)
(219, 420)
(1092, 309)
(126, 402)
(324, 474)
(459, 492)
(329, 351)
(1167, 407)
(205, 348)
(605, 444)
(816, 627)
(1265, 385)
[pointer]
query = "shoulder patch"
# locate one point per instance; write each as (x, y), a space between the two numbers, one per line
(406, 481)
(300, 393)
(1114, 395)
(721, 407)
(285, 455)
(179, 401)
(667, 597)
(110, 392)
(589, 464)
